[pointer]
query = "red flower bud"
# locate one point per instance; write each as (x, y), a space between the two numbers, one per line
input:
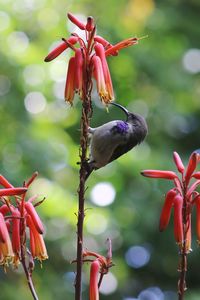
(102, 41)
(178, 162)
(166, 210)
(12, 191)
(60, 48)
(5, 182)
(159, 174)
(196, 175)
(192, 188)
(34, 216)
(90, 24)
(193, 160)
(4, 209)
(74, 20)
(178, 219)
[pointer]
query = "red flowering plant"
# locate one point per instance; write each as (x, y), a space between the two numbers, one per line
(181, 199)
(16, 216)
(87, 65)
(89, 61)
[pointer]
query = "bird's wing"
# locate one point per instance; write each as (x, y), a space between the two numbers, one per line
(122, 149)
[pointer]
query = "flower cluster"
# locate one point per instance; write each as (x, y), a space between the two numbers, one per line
(89, 60)
(181, 198)
(16, 215)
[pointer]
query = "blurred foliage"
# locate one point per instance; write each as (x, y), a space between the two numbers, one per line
(150, 78)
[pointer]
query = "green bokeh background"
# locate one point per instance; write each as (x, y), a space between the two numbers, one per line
(149, 78)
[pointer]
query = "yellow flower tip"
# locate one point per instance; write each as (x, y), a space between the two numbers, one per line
(143, 37)
(107, 108)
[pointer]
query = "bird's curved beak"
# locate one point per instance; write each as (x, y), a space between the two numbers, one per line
(121, 107)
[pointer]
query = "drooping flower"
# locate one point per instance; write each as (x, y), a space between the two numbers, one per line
(37, 244)
(30, 209)
(16, 239)
(15, 214)
(94, 272)
(181, 198)
(6, 251)
(89, 59)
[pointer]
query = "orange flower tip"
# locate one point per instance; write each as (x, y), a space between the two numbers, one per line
(74, 20)
(90, 24)
(13, 191)
(159, 174)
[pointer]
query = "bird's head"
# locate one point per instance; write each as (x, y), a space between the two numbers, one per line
(136, 120)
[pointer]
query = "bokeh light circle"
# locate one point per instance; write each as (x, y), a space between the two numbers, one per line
(35, 102)
(103, 194)
(137, 256)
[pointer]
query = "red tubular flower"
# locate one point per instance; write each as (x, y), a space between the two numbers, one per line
(6, 252)
(4, 209)
(69, 87)
(197, 203)
(188, 235)
(74, 20)
(182, 198)
(99, 49)
(5, 182)
(99, 76)
(102, 41)
(82, 68)
(192, 188)
(193, 160)
(159, 174)
(16, 244)
(178, 219)
(90, 24)
(123, 44)
(37, 245)
(60, 48)
(196, 175)
(94, 271)
(78, 73)
(12, 191)
(178, 162)
(34, 217)
(166, 210)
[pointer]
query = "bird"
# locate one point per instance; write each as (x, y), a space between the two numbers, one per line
(115, 138)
